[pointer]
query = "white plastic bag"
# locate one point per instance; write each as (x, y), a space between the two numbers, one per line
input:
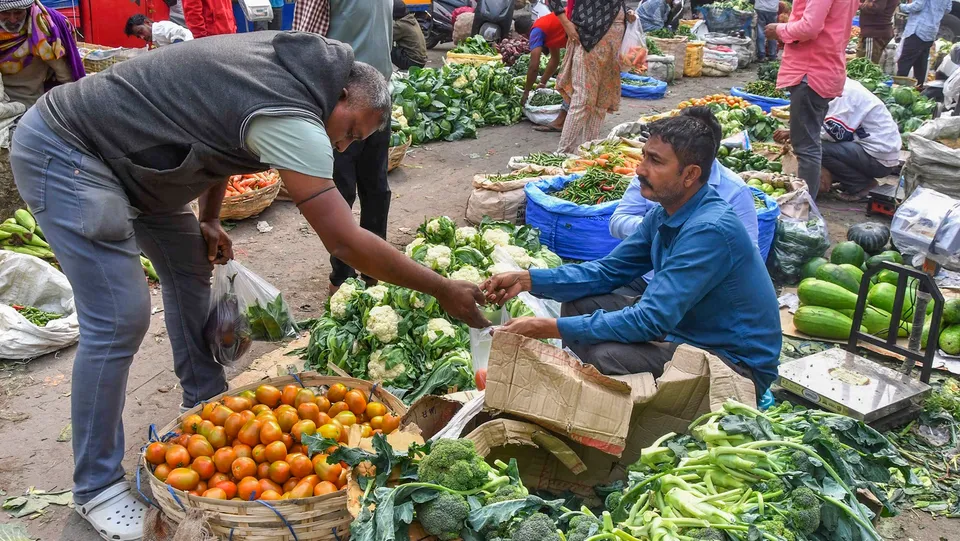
(545, 114)
(243, 308)
(633, 50)
(29, 281)
(932, 164)
(926, 225)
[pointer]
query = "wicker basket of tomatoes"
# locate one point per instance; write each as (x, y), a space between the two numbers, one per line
(242, 460)
(249, 195)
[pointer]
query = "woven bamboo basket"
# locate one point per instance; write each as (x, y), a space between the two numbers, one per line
(94, 66)
(318, 518)
(250, 204)
(397, 153)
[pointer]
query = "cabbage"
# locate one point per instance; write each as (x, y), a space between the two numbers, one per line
(923, 108)
(898, 113)
(912, 125)
(904, 96)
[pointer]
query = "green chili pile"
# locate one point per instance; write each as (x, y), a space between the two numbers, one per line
(35, 315)
(545, 159)
(594, 187)
(519, 175)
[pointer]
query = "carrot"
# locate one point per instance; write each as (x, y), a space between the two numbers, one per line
(624, 171)
(602, 162)
(585, 163)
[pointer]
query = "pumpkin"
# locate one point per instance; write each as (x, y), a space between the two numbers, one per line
(871, 236)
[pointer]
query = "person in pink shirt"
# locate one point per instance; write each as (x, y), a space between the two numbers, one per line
(813, 70)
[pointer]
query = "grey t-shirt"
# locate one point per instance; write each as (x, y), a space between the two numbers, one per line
(290, 142)
(367, 26)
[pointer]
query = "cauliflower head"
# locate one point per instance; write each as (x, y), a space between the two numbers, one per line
(377, 369)
(410, 247)
(500, 268)
(537, 263)
(465, 235)
(496, 237)
(460, 82)
(383, 322)
(376, 292)
(519, 255)
(340, 301)
(468, 273)
(438, 257)
(438, 327)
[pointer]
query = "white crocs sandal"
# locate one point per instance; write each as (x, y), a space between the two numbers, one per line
(115, 513)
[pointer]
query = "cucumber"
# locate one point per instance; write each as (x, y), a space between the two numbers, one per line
(813, 292)
(822, 322)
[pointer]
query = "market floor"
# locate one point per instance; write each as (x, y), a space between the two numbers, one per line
(434, 180)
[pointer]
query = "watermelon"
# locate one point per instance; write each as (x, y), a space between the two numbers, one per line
(951, 311)
(848, 252)
(841, 276)
(809, 269)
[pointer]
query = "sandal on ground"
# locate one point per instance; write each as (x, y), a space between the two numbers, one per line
(115, 513)
(548, 128)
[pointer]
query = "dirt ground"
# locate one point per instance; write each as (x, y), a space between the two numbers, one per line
(434, 180)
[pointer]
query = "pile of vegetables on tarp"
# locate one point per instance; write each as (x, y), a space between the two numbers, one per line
(740, 160)
(765, 88)
(866, 73)
(594, 187)
(511, 49)
(609, 154)
(908, 108)
(403, 339)
(451, 102)
(768, 72)
(397, 124)
(666, 33)
(788, 474)
(475, 45)
(759, 125)
(739, 5)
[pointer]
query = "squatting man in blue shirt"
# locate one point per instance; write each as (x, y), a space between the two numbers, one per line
(710, 288)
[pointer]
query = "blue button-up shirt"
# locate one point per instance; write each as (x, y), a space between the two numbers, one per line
(924, 17)
(711, 289)
(652, 14)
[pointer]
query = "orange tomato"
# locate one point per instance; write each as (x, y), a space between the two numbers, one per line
(325, 471)
(336, 408)
(270, 432)
(162, 471)
(228, 487)
(346, 418)
(268, 395)
(308, 410)
(156, 453)
(324, 487)
(204, 428)
(323, 403)
(366, 431)
(279, 472)
(207, 410)
(249, 489)
(190, 424)
(250, 433)
(217, 478)
(223, 458)
(286, 419)
(216, 493)
(199, 446)
(303, 490)
(324, 419)
(237, 403)
(330, 430)
(243, 467)
(249, 395)
(336, 392)
(263, 470)
(260, 408)
(305, 427)
(243, 450)
(342, 479)
(220, 414)
(218, 437)
(376, 422)
(232, 426)
(390, 423)
(356, 402)
(300, 465)
(287, 440)
(290, 484)
(183, 479)
(246, 416)
(304, 396)
(375, 409)
(275, 451)
(204, 467)
(177, 456)
(259, 453)
(267, 484)
(289, 393)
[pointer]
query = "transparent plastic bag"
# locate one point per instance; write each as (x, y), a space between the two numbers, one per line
(244, 307)
(525, 304)
(633, 50)
(801, 236)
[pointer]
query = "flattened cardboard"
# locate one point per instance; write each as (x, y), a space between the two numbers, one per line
(542, 383)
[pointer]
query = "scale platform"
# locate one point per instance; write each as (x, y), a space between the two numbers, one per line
(882, 200)
(851, 385)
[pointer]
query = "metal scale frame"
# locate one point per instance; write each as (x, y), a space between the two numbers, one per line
(842, 381)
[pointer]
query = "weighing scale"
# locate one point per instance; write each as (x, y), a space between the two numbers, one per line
(257, 10)
(882, 200)
(844, 382)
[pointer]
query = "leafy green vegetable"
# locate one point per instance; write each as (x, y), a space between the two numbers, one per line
(652, 47)
(765, 88)
(271, 322)
(768, 72)
(543, 99)
(475, 45)
(636, 82)
(861, 69)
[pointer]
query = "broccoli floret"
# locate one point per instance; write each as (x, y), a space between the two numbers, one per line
(778, 528)
(804, 510)
(612, 503)
(454, 464)
(581, 527)
(443, 516)
(507, 492)
(707, 534)
(770, 487)
(536, 527)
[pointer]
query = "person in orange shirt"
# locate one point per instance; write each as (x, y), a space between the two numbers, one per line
(545, 34)
(209, 17)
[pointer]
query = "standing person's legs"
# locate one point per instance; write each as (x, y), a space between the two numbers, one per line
(922, 62)
(88, 221)
(574, 125)
(277, 22)
(807, 111)
(176, 247)
(373, 186)
(617, 358)
(913, 47)
(879, 45)
(763, 44)
(345, 176)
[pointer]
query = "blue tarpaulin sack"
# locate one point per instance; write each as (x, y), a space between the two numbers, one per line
(766, 222)
(642, 92)
(580, 232)
(764, 102)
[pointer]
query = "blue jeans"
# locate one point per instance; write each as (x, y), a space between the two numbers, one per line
(766, 47)
(97, 237)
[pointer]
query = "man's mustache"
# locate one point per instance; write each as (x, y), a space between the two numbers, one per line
(644, 182)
